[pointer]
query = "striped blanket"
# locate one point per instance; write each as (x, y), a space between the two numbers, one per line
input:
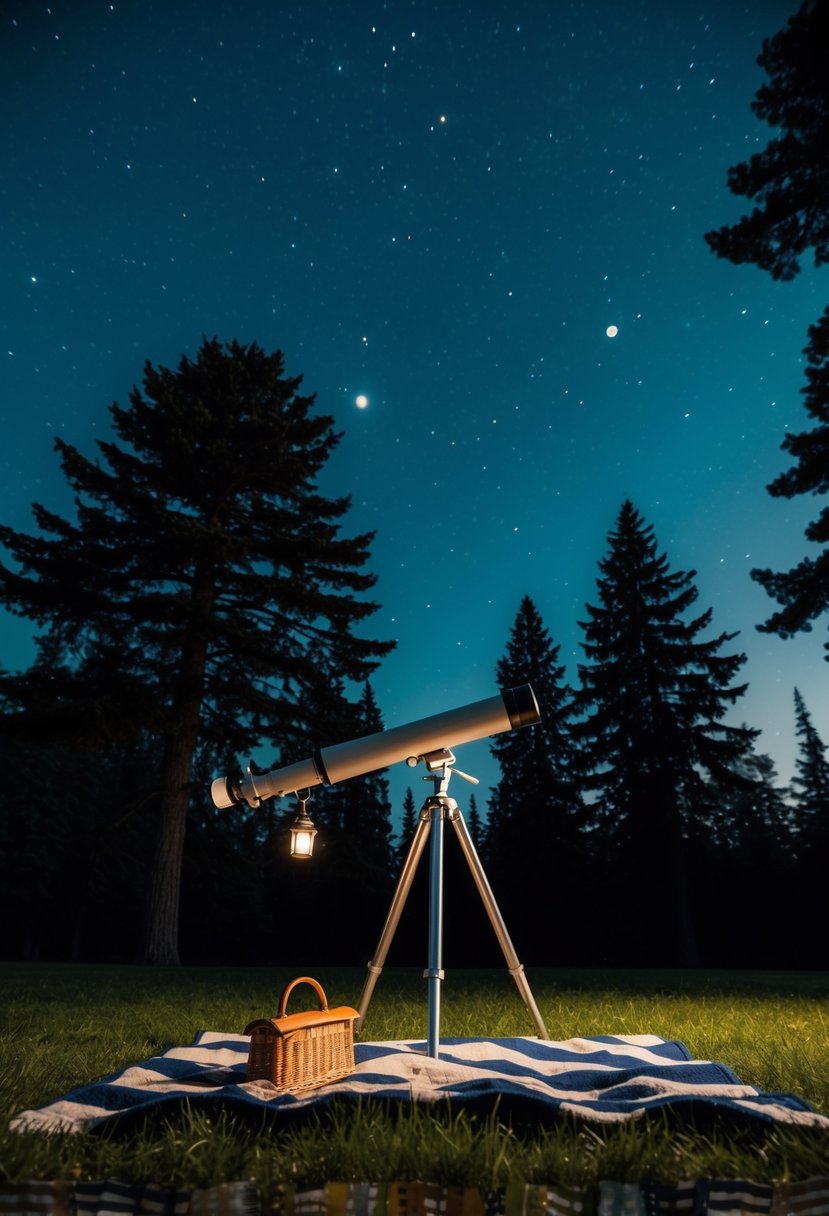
(606, 1078)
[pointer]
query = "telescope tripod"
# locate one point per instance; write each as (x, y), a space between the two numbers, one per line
(436, 810)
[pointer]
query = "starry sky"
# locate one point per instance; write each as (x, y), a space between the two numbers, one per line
(439, 208)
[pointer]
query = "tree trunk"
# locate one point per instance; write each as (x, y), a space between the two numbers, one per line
(161, 930)
(162, 922)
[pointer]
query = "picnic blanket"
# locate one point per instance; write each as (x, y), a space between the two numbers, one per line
(605, 1078)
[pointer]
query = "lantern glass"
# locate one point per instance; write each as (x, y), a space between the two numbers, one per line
(302, 834)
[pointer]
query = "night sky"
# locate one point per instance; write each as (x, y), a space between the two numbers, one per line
(440, 208)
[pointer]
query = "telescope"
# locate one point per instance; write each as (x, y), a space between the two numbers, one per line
(509, 709)
(430, 740)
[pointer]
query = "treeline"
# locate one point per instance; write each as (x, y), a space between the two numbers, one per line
(664, 834)
(632, 826)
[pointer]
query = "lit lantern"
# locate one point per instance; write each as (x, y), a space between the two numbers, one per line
(302, 829)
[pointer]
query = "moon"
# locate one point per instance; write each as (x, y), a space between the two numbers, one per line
(361, 401)
(612, 331)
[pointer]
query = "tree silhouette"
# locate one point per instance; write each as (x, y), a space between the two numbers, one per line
(804, 590)
(811, 782)
(790, 181)
(361, 804)
(474, 823)
(532, 836)
(199, 588)
(408, 825)
(653, 696)
(790, 177)
(811, 798)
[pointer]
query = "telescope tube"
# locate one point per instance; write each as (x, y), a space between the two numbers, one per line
(509, 709)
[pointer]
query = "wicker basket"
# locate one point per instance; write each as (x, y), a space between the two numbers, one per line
(300, 1051)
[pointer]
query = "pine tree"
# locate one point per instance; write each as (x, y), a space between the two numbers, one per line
(364, 804)
(198, 588)
(654, 696)
(811, 798)
(811, 783)
(790, 177)
(804, 590)
(474, 823)
(408, 826)
(537, 765)
(533, 828)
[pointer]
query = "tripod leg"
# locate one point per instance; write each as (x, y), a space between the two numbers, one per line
(516, 969)
(404, 884)
(434, 972)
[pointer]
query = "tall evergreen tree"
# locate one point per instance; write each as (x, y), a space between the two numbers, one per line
(811, 797)
(533, 828)
(474, 823)
(811, 783)
(201, 582)
(654, 696)
(804, 590)
(789, 179)
(363, 803)
(408, 826)
(537, 765)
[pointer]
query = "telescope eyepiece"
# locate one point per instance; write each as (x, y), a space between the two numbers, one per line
(227, 791)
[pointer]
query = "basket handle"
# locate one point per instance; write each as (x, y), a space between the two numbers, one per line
(288, 989)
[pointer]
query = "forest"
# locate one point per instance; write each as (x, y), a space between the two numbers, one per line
(631, 827)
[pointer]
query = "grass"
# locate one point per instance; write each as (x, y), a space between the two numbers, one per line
(62, 1026)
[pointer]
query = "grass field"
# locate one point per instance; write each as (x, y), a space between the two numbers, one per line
(62, 1026)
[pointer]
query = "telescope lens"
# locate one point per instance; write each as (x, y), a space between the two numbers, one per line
(521, 705)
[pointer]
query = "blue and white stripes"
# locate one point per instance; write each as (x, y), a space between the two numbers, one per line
(606, 1078)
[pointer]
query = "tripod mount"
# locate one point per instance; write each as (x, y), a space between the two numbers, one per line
(437, 810)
